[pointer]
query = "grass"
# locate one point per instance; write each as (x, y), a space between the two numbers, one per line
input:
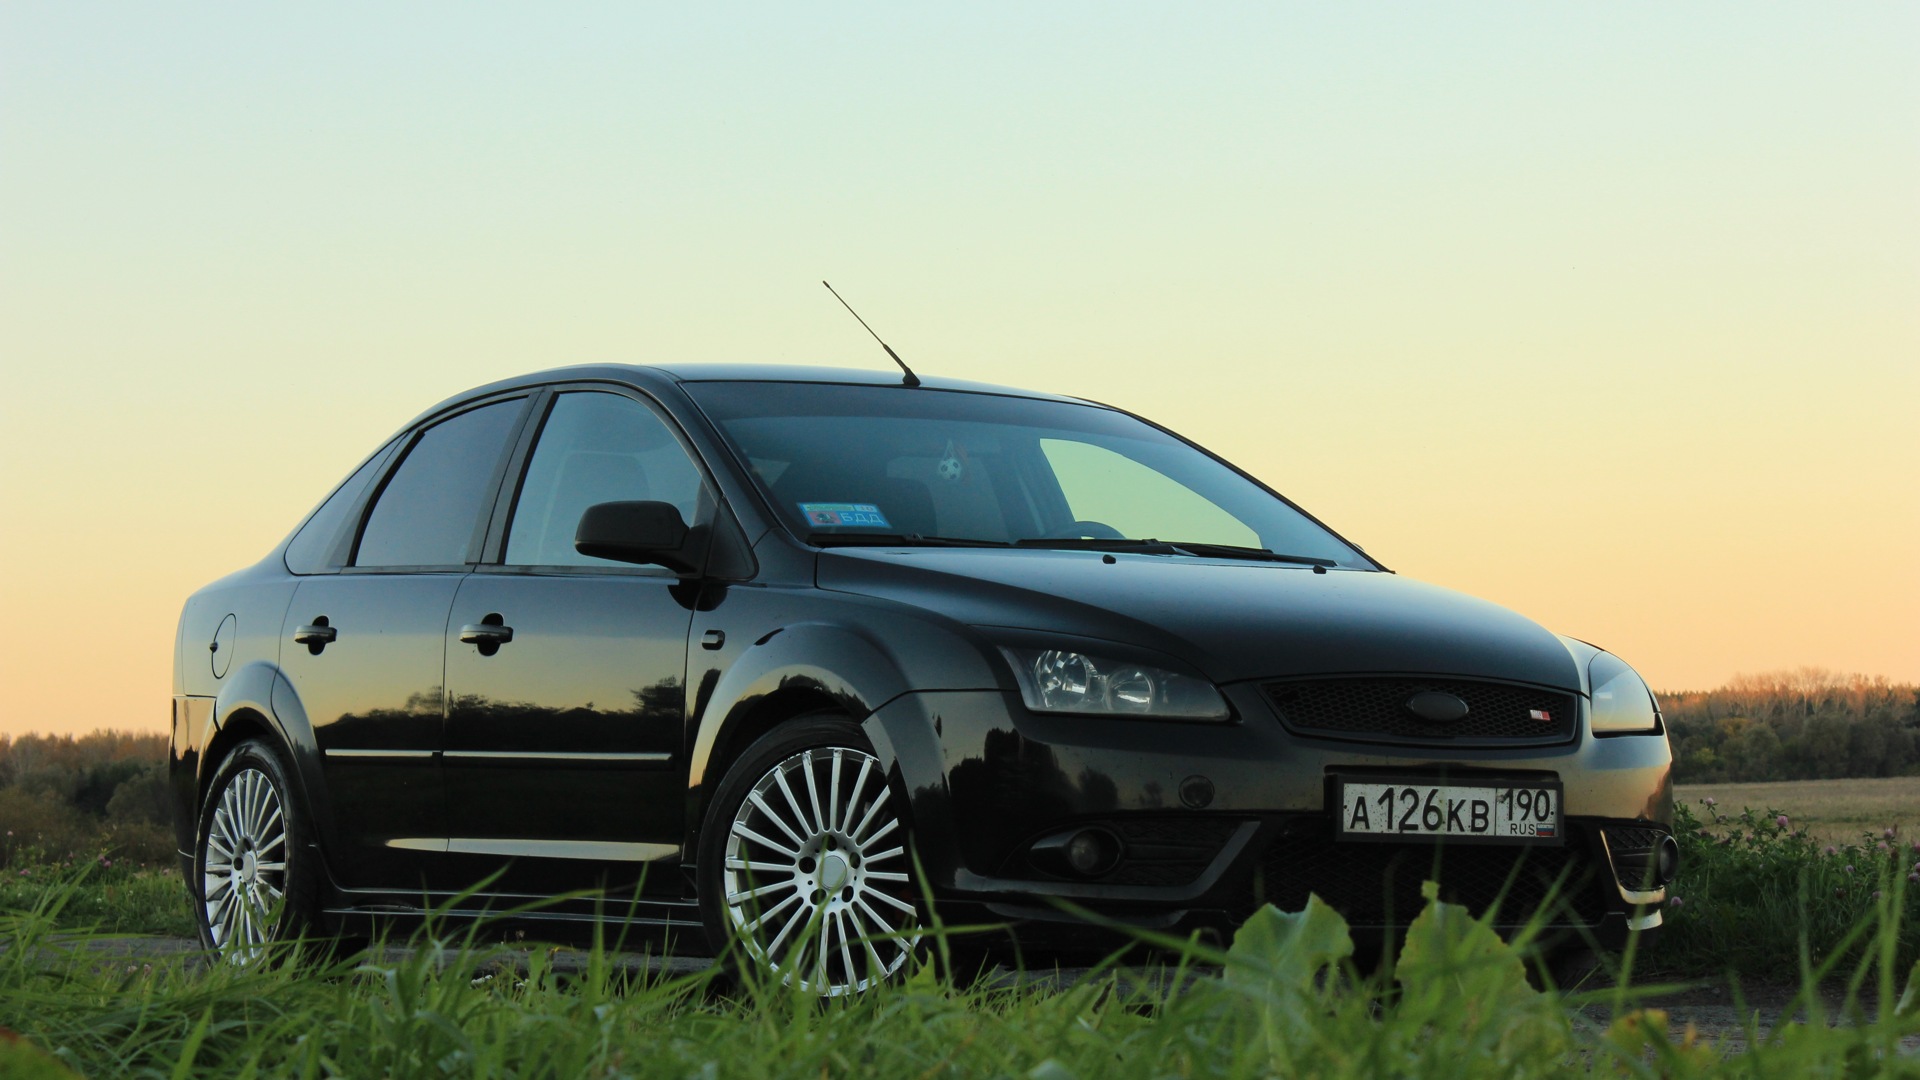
(1286, 999)
(1832, 811)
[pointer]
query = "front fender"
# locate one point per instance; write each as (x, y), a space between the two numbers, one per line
(856, 667)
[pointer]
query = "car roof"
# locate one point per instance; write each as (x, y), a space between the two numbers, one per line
(655, 375)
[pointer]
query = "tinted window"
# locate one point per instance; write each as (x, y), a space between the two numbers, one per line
(311, 551)
(837, 459)
(431, 506)
(596, 448)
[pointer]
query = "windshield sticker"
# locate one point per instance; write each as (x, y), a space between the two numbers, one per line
(845, 515)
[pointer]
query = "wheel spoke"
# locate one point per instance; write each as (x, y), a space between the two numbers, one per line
(846, 945)
(833, 791)
(799, 815)
(750, 927)
(754, 798)
(757, 867)
(885, 926)
(894, 900)
(813, 791)
(879, 801)
(741, 830)
(797, 917)
(892, 824)
(887, 854)
(736, 899)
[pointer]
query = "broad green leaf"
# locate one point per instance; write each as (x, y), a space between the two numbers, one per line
(1277, 949)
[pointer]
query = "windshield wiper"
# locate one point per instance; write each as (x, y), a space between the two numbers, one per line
(1083, 543)
(1151, 546)
(1230, 551)
(895, 540)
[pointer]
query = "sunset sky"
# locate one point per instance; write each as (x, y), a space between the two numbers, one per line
(1610, 314)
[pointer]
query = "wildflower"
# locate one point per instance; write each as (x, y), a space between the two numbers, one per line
(1883, 848)
(1711, 801)
(1674, 901)
(1847, 868)
(1876, 894)
(1831, 850)
(1892, 831)
(1914, 877)
(1781, 821)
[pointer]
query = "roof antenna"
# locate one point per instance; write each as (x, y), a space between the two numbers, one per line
(911, 379)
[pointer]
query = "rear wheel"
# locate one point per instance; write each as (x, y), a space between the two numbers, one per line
(250, 858)
(804, 869)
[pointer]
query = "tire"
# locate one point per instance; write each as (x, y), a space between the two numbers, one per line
(804, 871)
(256, 874)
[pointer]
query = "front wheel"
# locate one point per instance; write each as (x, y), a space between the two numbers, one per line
(254, 886)
(804, 869)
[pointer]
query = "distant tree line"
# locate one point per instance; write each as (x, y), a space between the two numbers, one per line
(98, 796)
(1810, 724)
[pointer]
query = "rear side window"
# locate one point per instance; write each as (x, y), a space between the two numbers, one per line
(430, 509)
(312, 550)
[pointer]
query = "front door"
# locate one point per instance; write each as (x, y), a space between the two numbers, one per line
(563, 754)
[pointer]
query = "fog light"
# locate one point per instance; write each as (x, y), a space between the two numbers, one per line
(1667, 862)
(1085, 853)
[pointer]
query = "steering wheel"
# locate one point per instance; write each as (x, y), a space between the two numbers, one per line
(1094, 530)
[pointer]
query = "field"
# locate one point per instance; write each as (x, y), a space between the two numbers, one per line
(1817, 918)
(1832, 811)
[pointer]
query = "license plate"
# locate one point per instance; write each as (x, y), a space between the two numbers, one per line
(1490, 811)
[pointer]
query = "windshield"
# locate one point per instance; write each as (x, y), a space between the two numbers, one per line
(843, 462)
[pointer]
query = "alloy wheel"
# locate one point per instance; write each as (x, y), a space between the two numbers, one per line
(816, 875)
(244, 870)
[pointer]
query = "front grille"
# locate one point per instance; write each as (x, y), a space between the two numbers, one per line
(1375, 884)
(1375, 710)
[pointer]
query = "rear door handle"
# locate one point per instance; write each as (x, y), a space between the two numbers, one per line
(315, 635)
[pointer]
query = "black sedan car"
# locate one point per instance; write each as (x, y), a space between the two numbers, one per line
(779, 656)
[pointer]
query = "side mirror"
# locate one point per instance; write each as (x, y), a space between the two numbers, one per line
(638, 532)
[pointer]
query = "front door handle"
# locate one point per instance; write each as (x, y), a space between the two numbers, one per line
(315, 635)
(488, 634)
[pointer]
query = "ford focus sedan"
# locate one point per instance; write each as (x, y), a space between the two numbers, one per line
(777, 657)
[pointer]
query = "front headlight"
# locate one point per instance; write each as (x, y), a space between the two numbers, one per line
(1621, 700)
(1064, 681)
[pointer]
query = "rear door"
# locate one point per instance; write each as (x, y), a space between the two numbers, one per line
(363, 649)
(563, 754)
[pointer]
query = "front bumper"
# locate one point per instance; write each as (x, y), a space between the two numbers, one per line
(1219, 818)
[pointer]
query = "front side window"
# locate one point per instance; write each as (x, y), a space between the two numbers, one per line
(429, 511)
(840, 462)
(596, 447)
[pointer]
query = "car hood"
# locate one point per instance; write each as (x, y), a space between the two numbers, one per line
(1232, 620)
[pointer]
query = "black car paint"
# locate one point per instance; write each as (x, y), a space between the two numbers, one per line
(904, 640)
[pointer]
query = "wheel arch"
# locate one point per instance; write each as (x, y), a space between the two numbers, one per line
(795, 671)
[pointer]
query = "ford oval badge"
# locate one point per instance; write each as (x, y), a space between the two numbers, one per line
(1436, 707)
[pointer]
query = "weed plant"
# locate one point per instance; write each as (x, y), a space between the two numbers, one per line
(1758, 897)
(1284, 1000)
